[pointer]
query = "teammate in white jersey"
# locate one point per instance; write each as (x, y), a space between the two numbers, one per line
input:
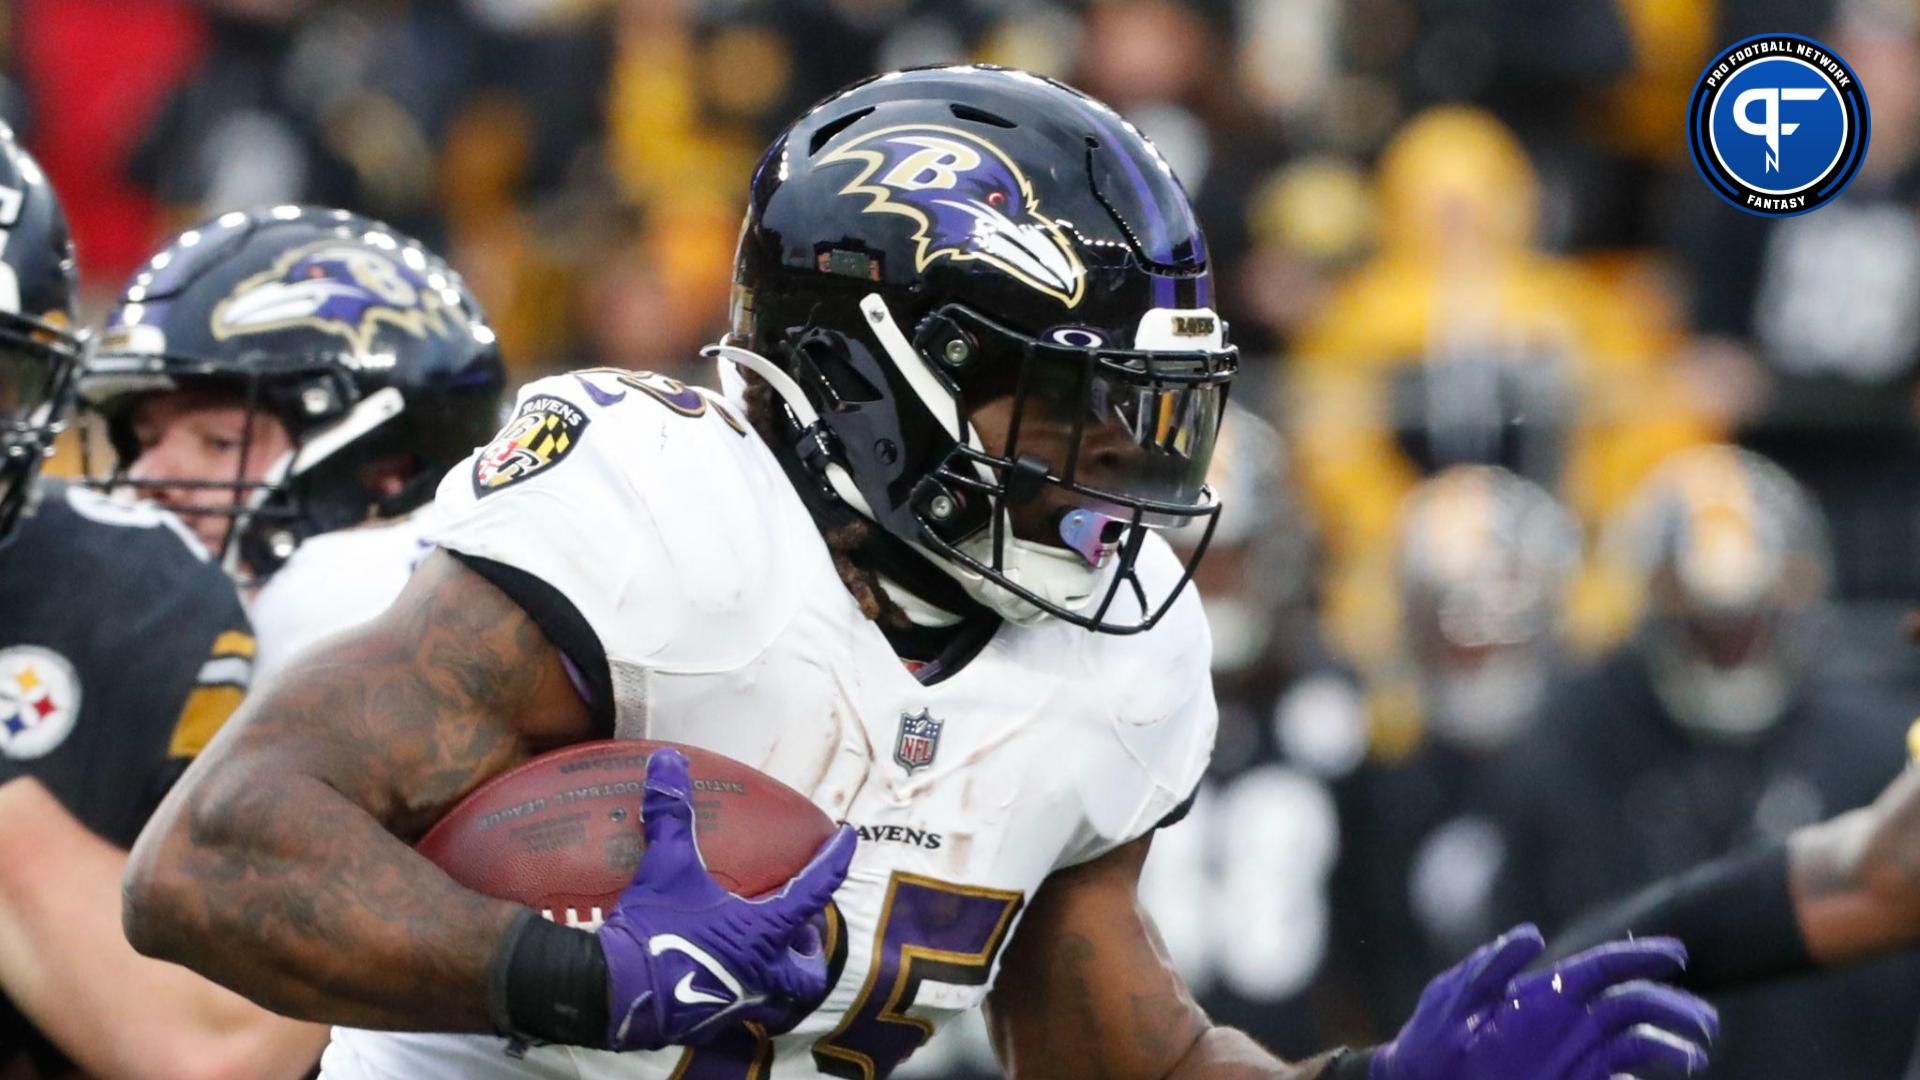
(293, 382)
(907, 565)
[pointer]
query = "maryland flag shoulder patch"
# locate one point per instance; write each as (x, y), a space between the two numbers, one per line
(540, 435)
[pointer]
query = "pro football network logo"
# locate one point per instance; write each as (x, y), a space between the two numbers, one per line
(343, 289)
(969, 201)
(540, 435)
(1778, 125)
(39, 701)
(918, 741)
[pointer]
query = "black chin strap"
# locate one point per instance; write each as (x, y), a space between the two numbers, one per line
(415, 492)
(881, 552)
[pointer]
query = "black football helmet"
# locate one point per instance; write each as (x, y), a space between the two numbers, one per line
(1736, 565)
(39, 349)
(1486, 560)
(365, 345)
(929, 241)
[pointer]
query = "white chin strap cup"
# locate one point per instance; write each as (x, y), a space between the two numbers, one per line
(1059, 576)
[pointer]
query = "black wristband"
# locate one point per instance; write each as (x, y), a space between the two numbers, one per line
(1348, 1064)
(1735, 916)
(548, 984)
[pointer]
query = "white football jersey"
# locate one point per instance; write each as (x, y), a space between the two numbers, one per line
(333, 582)
(654, 509)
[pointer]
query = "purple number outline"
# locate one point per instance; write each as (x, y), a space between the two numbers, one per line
(980, 923)
(746, 1053)
(690, 401)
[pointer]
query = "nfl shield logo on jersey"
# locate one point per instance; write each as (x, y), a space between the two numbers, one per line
(919, 739)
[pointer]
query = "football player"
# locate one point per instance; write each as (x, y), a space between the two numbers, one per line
(1722, 721)
(279, 378)
(1833, 892)
(122, 652)
(906, 564)
(1484, 560)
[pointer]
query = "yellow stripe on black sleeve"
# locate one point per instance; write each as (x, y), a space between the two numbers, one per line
(233, 643)
(206, 711)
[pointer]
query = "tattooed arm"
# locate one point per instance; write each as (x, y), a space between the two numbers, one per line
(1087, 990)
(279, 866)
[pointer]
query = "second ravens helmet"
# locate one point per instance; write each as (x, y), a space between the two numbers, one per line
(363, 344)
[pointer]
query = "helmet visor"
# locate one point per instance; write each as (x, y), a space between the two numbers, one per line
(31, 377)
(1128, 433)
(1149, 434)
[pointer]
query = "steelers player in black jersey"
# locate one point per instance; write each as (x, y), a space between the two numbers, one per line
(122, 651)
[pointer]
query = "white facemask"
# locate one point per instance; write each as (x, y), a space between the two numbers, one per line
(1483, 707)
(1737, 703)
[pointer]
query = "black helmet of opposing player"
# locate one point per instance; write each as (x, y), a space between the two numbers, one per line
(39, 351)
(363, 344)
(1735, 562)
(985, 299)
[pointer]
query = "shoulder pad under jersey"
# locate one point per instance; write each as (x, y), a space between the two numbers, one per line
(1161, 713)
(648, 504)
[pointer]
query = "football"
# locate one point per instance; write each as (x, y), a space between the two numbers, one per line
(561, 833)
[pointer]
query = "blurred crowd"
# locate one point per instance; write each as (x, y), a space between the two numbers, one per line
(1571, 512)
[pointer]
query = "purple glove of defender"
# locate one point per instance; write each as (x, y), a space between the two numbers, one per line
(1590, 1017)
(685, 957)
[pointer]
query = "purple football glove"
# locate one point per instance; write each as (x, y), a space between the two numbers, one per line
(1591, 1016)
(685, 957)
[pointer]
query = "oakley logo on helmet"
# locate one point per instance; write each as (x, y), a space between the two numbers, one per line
(341, 289)
(969, 201)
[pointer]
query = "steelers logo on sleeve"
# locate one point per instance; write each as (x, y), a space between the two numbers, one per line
(39, 701)
(540, 436)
